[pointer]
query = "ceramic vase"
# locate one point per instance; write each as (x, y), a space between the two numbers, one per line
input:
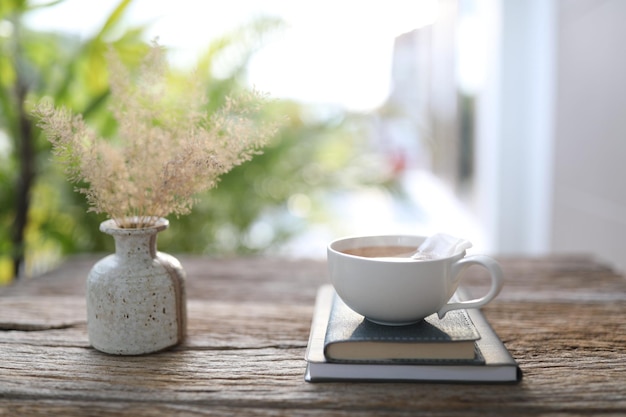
(136, 301)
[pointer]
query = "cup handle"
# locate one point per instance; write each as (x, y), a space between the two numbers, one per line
(497, 280)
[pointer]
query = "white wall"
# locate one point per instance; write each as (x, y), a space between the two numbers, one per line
(551, 129)
(514, 127)
(590, 137)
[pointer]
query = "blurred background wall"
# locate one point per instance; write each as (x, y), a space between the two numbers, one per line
(589, 206)
(551, 135)
(496, 120)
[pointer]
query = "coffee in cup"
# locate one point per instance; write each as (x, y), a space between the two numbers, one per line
(391, 253)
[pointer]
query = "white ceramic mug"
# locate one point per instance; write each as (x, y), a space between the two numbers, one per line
(400, 291)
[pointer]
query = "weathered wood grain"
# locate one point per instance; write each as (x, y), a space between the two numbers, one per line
(563, 319)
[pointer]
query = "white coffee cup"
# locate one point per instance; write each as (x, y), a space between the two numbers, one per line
(400, 291)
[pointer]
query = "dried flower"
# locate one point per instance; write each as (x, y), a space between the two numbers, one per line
(167, 148)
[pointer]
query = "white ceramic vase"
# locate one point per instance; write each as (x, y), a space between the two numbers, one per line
(136, 301)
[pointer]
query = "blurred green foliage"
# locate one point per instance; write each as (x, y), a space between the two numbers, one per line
(248, 212)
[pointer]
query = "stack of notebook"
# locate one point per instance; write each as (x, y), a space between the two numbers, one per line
(461, 347)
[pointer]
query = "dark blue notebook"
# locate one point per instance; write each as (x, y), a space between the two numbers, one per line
(351, 337)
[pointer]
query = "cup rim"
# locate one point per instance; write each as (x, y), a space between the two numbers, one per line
(421, 238)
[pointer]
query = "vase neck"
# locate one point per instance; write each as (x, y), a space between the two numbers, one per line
(136, 245)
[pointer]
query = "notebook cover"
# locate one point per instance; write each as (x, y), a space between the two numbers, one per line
(351, 337)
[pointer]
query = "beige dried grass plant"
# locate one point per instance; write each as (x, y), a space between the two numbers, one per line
(167, 149)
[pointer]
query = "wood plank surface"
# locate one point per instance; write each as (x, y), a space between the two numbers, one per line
(562, 318)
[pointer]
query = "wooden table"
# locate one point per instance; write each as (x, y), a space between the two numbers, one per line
(562, 318)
